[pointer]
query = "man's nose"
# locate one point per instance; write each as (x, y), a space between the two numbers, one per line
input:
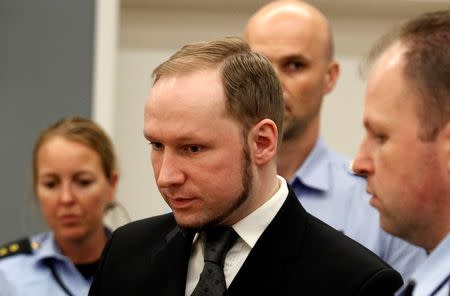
(170, 172)
(362, 163)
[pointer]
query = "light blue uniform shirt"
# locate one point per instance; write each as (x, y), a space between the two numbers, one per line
(432, 277)
(329, 190)
(28, 274)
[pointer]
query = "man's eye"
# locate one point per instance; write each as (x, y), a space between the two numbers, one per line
(380, 138)
(156, 145)
(192, 148)
(294, 66)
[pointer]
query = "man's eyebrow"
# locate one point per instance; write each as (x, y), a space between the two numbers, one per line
(370, 124)
(186, 138)
(181, 138)
(294, 57)
(367, 124)
(146, 135)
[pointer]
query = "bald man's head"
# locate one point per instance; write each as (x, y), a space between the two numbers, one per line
(296, 38)
(296, 14)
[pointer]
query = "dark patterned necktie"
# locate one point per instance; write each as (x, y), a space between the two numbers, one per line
(216, 243)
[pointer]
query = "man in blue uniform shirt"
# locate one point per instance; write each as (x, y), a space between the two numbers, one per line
(406, 151)
(297, 39)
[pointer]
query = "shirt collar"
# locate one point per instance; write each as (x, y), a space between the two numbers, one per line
(434, 270)
(47, 247)
(314, 172)
(251, 227)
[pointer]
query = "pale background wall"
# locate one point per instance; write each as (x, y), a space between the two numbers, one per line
(150, 31)
(95, 57)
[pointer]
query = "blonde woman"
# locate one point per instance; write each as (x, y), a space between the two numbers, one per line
(74, 179)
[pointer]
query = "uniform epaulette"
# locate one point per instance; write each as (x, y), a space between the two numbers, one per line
(21, 246)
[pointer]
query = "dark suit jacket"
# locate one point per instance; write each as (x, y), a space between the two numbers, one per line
(296, 255)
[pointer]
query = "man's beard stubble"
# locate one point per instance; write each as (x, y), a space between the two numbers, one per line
(293, 128)
(247, 187)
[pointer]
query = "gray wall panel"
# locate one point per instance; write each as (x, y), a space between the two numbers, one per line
(46, 61)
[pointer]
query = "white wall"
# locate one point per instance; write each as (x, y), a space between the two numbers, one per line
(137, 190)
(149, 35)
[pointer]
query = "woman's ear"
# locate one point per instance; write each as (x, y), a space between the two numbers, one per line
(113, 181)
(264, 141)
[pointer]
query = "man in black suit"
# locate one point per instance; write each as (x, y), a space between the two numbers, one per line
(213, 120)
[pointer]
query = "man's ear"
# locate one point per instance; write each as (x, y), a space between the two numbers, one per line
(444, 146)
(264, 141)
(331, 77)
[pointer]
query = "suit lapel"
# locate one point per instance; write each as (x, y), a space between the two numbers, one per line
(270, 262)
(170, 261)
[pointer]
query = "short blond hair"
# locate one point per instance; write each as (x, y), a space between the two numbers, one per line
(427, 66)
(252, 89)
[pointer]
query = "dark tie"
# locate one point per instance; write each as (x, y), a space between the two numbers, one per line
(408, 289)
(216, 243)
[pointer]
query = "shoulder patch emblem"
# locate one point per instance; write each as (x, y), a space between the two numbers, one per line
(21, 246)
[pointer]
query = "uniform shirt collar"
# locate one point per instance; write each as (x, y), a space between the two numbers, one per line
(434, 270)
(47, 247)
(314, 172)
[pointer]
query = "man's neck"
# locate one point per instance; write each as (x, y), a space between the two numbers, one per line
(293, 152)
(436, 236)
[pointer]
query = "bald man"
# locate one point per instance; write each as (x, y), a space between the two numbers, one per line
(297, 39)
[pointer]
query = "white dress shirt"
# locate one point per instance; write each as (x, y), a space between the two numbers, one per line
(249, 230)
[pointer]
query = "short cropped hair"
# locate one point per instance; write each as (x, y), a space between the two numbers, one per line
(83, 131)
(427, 66)
(252, 89)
